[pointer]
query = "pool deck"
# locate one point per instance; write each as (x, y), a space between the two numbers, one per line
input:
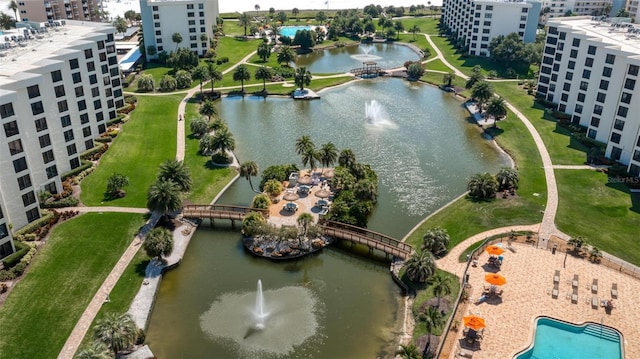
(527, 294)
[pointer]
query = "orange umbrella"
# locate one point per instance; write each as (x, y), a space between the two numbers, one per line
(495, 279)
(474, 322)
(494, 250)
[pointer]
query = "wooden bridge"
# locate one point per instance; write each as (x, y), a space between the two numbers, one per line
(220, 211)
(371, 239)
(368, 69)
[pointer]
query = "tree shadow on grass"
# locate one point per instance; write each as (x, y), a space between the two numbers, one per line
(617, 184)
(141, 268)
(214, 166)
(494, 131)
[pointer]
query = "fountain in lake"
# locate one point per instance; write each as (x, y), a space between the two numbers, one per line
(366, 54)
(376, 115)
(263, 324)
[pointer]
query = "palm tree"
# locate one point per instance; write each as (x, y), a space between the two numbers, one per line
(482, 186)
(310, 157)
(208, 109)
(432, 319)
(247, 170)
(436, 240)
(508, 177)
(214, 73)
(302, 77)
(399, 27)
(366, 190)
(286, 55)
(482, 91)
(409, 351)
(177, 38)
(245, 21)
(420, 267)
(158, 243)
(448, 78)
(177, 172)
(577, 243)
(295, 11)
(257, 7)
(13, 6)
(200, 73)
(304, 221)
(414, 30)
(328, 154)
(116, 331)
(441, 287)
(264, 51)
(595, 255)
(97, 350)
(347, 158)
(303, 143)
(476, 75)
(223, 141)
(496, 108)
(263, 73)
(242, 74)
(164, 197)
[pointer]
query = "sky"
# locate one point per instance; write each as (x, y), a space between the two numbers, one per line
(118, 8)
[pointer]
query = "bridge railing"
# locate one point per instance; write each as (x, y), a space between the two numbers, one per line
(369, 234)
(224, 208)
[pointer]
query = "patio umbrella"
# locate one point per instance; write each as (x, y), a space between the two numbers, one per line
(304, 180)
(290, 196)
(474, 322)
(323, 193)
(495, 279)
(494, 250)
(328, 173)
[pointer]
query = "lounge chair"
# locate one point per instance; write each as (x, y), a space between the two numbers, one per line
(574, 283)
(594, 286)
(556, 277)
(555, 291)
(594, 301)
(614, 290)
(574, 295)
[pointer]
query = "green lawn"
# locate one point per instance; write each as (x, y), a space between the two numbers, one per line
(147, 140)
(235, 50)
(465, 217)
(603, 212)
(427, 25)
(419, 42)
(563, 149)
(438, 65)
(426, 294)
(43, 308)
(207, 179)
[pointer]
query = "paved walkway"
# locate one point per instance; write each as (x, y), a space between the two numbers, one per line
(580, 167)
(108, 209)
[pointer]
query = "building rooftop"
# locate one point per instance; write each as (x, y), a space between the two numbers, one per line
(20, 54)
(614, 31)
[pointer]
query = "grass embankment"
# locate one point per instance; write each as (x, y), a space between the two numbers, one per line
(602, 211)
(464, 217)
(145, 141)
(45, 305)
(563, 149)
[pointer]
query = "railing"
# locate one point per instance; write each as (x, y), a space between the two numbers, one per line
(373, 239)
(220, 210)
(368, 70)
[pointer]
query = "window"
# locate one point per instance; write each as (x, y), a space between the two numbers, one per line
(201, 13)
(604, 84)
(487, 23)
(633, 70)
(592, 133)
(102, 128)
(32, 214)
(68, 135)
(51, 171)
(156, 24)
(88, 53)
(201, 6)
(84, 118)
(82, 105)
(586, 74)
(99, 116)
(564, 97)
(114, 72)
(191, 14)
(525, 10)
(581, 97)
(59, 90)
(588, 62)
(576, 43)
(56, 76)
(192, 29)
(86, 131)
(24, 182)
(629, 84)
(610, 59)
(159, 40)
(28, 198)
(615, 137)
(100, 45)
(584, 85)
(106, 80)
(595, 122)
(597, 109)
(15, 147)
(103, 57)
(156, 16)
(88, 144)
(192, 22)
(20, 164)
(110, 104)
(154, 8)
(591, 50)
(5, 249)
(606, 71)
(569, 76)
(44, 140)
(571, 64)
(618, 124)
(524, 18)
(93, 79)
(615, 153)
(622, 111)
(562, 108)
(626, 97)
(79, 91)
(201, 21)
(11, 129)
(108, 92)
(73, 64)
(76, 77)
(113, 60)
(97, 104)
(51, 188)
(578, 108)
(601, 97)
(47, 156)
(37, 108)
(95, 92)
(91, 66)
(158, 33)
(41, 124)
(6, 110)
(33, 91)
(193, 45)
(190, 6)
(115, 83)
(71, 149)
(522, 26)
(573, 54)
(62, 106)
(566, 86)
(487, 15)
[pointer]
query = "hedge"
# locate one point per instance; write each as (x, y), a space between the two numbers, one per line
(35, 225)
(116, 120)
(85, 165)
(66, 202)
(13, 259)
(90, 152)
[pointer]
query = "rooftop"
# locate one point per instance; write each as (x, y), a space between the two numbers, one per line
(22, 54)
(613, 31)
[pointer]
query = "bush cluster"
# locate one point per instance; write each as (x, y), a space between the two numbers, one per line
(67, 190)
(95, 153)
(118, 119)
(66, 202)
(222, 60)
(130, 99)
(13, 259)
(126, 109)
(129, 80)
(84, 165)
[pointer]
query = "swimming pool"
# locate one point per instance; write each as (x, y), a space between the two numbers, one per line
(290, 31)
(556, 339)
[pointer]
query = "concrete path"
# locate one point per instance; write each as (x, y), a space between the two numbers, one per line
(108, 209)
(580, 167)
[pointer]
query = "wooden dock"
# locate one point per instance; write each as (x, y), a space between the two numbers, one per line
(371, 239)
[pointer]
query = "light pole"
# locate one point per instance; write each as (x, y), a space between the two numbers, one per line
(564, 264)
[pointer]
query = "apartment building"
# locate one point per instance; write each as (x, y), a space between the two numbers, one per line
(193, 19)
(558, 8)
(58, 91)
(633, 7)
(591, 70)
(46, 10)
(476, 23)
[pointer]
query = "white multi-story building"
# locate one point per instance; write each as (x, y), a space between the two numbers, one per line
(192, 19)
(49, 10)
(58, 91)
(558, 8)
(633, 7)
(592, 71)
(477, 22)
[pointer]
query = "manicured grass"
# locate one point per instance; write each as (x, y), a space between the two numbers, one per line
(147, 140)
(435, 78)
(207, 179)
(464, 217)
(45, 305)
(426, 294)
(602, 211)
(420, 42)
(278, 89)
(235, 50)
(563, 149)
(427, 25)
(438, 65)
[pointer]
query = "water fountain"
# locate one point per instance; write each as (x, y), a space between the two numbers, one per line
(375, 114)
(366, 55)
(260, 315)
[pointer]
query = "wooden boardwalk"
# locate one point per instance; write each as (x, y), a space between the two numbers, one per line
(220, 211)
(371, 239)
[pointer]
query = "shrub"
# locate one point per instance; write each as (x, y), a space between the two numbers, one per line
(66, 190)
(18, 269)
(36, 225)
(261, 201)
(13, 259)
(6, 275)
(126, 109)
(278, 172)
(221, 158)
(284, 71)
(118, 119)
(130, 99)
(3, 288)
(129, 80)
(65, 202)
(94, 153)
(183, 79)
(85, 165)
(168, 83)
(104, 139)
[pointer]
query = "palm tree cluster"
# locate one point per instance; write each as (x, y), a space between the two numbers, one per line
(436, 241)
(507, 178)
(164, 194)
(306, 149)
(112, 334)
(482, 186)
